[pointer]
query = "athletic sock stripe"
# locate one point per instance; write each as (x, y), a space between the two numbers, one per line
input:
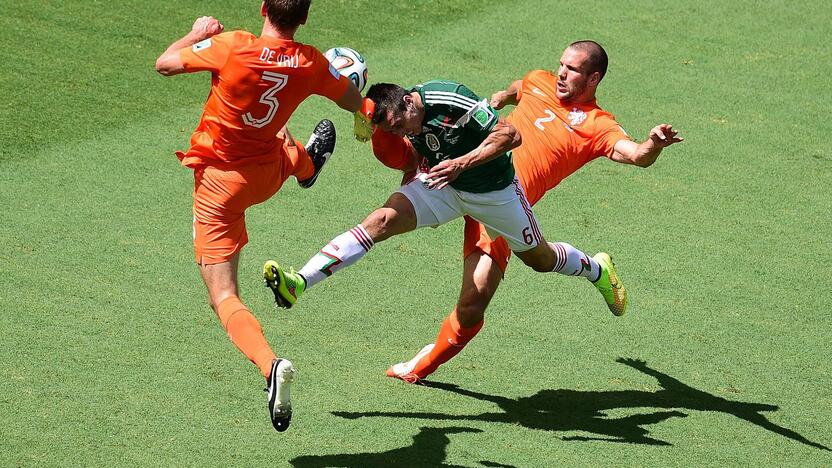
(366, 235)
(558, 262)
(562, 257)
(360, 240)
(559, 259)
(355, 233)
(362, 237)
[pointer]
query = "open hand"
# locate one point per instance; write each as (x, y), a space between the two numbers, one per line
(443, 174)
(498, 99)
(663, 135)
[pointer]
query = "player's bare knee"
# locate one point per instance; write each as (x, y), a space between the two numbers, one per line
(379, 225)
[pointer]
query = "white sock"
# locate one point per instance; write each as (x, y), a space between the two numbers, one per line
(573, 262)
(340, 253)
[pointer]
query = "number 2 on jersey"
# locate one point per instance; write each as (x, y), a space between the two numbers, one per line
(539, 122)
(268, 98)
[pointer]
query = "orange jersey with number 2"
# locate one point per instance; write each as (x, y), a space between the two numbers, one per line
(558, 139)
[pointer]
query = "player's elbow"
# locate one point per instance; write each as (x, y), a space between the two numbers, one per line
(161, 68)
(164, 66)
(642, 163)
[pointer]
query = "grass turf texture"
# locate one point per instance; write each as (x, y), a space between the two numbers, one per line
(111, 356)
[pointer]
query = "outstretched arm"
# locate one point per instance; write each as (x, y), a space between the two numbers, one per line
(503, 137)
(169, 63)
(351, 99)
(645, 154)
(507, 96)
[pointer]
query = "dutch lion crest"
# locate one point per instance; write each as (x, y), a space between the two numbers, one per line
(576, 117)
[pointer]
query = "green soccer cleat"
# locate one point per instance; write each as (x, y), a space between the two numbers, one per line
(610, 286)
(286, 286)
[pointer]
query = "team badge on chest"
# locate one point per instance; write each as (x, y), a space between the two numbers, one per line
(432, 142)
(576, 117)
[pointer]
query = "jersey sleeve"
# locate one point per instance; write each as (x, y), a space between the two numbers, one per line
(609, 133)
(392, 150)
(527, 82)
(479, 117)
(208, 55)
(328, 82)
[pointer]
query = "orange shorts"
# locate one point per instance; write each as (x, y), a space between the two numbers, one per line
(221, 198)
(477, 240)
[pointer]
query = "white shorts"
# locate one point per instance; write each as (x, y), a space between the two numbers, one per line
(504, 212)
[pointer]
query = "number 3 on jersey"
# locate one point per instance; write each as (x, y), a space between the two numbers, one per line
(268, 98)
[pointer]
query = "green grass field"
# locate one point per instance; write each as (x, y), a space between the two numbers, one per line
(110, 354)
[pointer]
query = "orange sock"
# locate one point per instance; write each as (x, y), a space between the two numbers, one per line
(450, 341)
(245, 332)
(302, 167)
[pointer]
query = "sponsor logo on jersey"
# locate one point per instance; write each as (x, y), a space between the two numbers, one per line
(432, 142)
(201, 45)
(576, 117)
(537, 91)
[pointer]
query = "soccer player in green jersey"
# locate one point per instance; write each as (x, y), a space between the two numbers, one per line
(465, 169)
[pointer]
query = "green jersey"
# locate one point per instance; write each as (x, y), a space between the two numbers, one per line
(456, 122)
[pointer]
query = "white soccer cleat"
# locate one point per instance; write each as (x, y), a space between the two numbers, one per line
(404, 370)
(280, 403)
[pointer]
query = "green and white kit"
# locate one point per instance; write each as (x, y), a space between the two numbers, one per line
(456, 122)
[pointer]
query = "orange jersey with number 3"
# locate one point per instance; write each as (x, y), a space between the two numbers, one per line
(256, 84)
(558, 138)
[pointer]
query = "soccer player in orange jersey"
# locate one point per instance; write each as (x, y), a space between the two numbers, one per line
(241, 153)
(562, 128)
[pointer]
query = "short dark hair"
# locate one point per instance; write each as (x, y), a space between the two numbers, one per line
(287, 14)
(597, 61)
(387, 97)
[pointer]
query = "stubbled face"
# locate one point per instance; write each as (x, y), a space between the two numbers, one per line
(573, 78)
(405, 123)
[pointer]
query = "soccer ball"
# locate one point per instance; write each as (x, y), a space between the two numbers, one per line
(349, 63)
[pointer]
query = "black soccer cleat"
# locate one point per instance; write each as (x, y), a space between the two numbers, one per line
(277, 390)
(320, 146)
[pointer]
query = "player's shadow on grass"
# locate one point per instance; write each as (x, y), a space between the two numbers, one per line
(428, 450)
(573, 410)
